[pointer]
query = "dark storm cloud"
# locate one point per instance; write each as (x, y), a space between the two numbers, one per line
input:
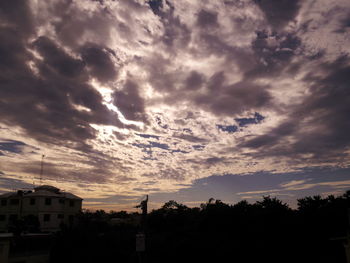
(271, 58)
(53, 171)
(98, 60)
(207, 18)
(130, 103)
(344, 25)
(212, 44)
(159, 75)
(226, 99)
(190, 138)
(41, 94)
(217, 95)
(214, 160)
(319, 125)
(45, 81)
(72, 23)
(272, 53)
(194, 80)
(17, 13)
(55, 59)
(279, 12)
(273, 137)
(176, 34)
(10, 184)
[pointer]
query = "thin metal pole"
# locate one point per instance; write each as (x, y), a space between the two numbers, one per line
(42, 168)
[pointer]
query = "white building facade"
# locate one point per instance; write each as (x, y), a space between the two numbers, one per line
(50, 206)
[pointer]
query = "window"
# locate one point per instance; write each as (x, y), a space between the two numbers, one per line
(32, 201)
(13, 217)
(3, 202)
(47, 217)
(60, 216)
(47, 201)
(14, 201)
(2, 217)
(71, 203)
(61, 201)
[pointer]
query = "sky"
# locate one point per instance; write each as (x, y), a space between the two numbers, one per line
(178, 99)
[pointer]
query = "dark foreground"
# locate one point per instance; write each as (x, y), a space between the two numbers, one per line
(266, 231)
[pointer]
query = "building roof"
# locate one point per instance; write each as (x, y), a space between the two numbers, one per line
(47, 188)
(44, 191)
(9, 194)
(71, 196)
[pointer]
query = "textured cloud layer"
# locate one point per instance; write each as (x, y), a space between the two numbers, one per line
(147, 96)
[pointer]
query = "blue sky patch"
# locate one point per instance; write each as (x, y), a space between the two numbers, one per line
(178, 151)
(147, 136)
(152, 145)
(227, 128)
(288, 187)
(243, 122)
(198, 147)
(11, 146)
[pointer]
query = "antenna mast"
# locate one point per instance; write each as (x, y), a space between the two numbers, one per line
(42, 168)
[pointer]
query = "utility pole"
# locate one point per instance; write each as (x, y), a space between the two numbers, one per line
(42, 168)
(141, 236)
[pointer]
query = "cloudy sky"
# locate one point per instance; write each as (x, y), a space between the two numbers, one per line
(178, 99)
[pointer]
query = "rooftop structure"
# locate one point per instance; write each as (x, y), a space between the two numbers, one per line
(45, 208)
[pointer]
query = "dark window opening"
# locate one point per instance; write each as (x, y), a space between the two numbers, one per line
(32, 201)
(47, 217)
(2, 217)
(13, 217)
(3, 202)
(14, 201)
(47, 201)
(71, 203)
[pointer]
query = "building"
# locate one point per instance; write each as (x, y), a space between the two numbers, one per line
(46, 207)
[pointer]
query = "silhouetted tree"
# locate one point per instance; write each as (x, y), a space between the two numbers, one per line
(267, 230)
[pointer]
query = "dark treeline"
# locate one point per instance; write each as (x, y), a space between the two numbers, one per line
(266, 231)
